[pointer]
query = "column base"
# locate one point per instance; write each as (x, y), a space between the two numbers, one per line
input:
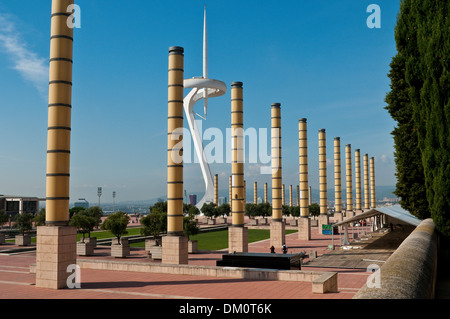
(349, 214)
(237, 239)
(56, 250)
(304, 228)
(323, 220)
(338, 217)
(277, 235)
(175, 250)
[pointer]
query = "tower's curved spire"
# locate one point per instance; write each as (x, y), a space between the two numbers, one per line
(205, 63)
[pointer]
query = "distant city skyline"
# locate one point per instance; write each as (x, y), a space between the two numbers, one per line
(320, 60)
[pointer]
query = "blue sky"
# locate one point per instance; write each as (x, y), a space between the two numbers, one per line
(317, 58)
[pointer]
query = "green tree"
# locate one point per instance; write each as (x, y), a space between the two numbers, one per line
(264, 209)
(39, 219)
(209, 210)
(223, 210)
(117, 224)
(314, 209)
(286, 210)
(193, 211)
(24, 222)
(84, 222)
(294, 211)
(190, 226)
(419, 102)
(154, 224)
(96, 213)
(251, 210)
(3, 217)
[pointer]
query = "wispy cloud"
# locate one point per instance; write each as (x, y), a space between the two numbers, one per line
(31, 67)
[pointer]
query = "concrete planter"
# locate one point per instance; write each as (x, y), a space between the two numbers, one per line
(192, 246)
(156, 252)
(92, 241)
(121, 250)
(149, 243)
(293, 222)
(85, 249)
(221, 220)
(23, 240)
(253, 222)
(263, 221)
(211, 221)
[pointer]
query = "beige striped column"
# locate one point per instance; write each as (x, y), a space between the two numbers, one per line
(358, 203)
(298, 196)
(216, 190)
(349, 181)
(175, 244)
(245, 194)
(255, 193)
(230, 195)
(283, 195)
(309, 196)
(366, 182)
(373, 202)
(323, 217)
(337, 180)
(290, 195)
(237, 233)
(265, 193)
(304, 225)
(277, 227)
(56, 242)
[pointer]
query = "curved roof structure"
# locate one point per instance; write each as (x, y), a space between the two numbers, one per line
(395, 211)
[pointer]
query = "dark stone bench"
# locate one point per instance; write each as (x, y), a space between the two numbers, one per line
(262, 260)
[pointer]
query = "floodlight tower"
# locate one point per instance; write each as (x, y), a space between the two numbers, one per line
(202, 88)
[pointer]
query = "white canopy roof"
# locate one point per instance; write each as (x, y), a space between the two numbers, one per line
(395, 211)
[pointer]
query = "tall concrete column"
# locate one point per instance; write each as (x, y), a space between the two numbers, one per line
(290, 195)
(309, 196)
(304, 231)
(373, 202)
(277, 227)
(337, 180)
(298, 196)
(175, 244)
(56, 242)
(366, 182)
(283, 195)
(216, 190)
(230, 194)
(349, 181)
(323, 217)
(358, 203)
(265, 193)
(237, 233)
(255, 193)
(245, 194)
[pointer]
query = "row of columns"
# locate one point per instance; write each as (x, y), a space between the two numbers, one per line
(56, 241)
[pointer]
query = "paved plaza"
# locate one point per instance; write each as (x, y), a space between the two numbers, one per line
(17, 282)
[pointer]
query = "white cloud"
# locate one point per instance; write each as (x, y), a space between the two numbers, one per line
(31, 67)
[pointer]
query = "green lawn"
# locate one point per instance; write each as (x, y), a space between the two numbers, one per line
(219, 239)
(206, 241)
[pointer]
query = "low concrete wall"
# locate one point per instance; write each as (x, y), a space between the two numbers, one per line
(410, 272)
(326, 280)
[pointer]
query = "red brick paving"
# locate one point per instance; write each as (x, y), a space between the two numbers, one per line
(16, 282)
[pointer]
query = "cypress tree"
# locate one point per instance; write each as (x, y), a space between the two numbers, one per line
(419, 102)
